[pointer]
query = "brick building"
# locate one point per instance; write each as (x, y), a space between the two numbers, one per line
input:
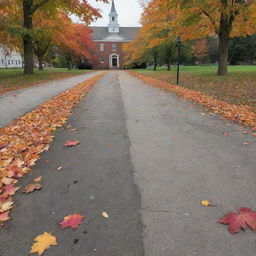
(109, 41)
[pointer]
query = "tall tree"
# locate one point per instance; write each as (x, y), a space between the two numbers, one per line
(224, 18)
(28, 9)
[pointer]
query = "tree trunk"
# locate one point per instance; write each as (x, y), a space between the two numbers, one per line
(155, 65)
(169, 66)
(223, 54)
(27, 39)
(40, 60)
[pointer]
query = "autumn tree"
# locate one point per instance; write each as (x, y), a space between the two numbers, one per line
(200, 49)
(27, 10)
(73, 40)
(156, 36)
(224, 18)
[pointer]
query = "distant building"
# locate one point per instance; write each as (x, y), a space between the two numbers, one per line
(9, 59)
(109, 41)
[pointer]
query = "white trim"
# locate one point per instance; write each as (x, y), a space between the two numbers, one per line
(110, 60)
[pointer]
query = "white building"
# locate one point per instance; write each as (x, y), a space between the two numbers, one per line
(9, 59)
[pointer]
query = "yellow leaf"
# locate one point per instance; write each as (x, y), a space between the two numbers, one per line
(43, 242)
(205, 203)
(4, 206)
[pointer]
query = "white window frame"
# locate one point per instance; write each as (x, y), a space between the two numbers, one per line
(114, 47)
(102, 47)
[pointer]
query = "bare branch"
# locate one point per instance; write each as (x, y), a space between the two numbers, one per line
(212, 21)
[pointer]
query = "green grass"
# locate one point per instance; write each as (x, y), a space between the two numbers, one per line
(205, 70)
(238, 87)
(13, 79)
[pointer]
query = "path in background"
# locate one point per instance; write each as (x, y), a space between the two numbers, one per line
(17, 103)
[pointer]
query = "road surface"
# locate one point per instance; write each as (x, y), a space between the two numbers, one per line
(147, 158)
(17, 103)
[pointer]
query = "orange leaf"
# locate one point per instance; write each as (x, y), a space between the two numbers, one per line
(31, 187)
(71, 143)
(38, 179)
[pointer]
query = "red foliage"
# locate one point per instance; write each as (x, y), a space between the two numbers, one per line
(72, 221)
(246, 217)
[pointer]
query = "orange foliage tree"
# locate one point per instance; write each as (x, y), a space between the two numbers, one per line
(200, 49)
(74, 40)
(27, 10)
(224, 18)
(155, 33)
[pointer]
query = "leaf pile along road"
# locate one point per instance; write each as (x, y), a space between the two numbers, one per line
(15, 104)
(241, 114)
(135, 171)
(27, 137)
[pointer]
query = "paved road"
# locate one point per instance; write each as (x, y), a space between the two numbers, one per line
(15, 104)
(165, 156)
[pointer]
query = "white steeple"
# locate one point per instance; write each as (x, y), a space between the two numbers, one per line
(113, 26)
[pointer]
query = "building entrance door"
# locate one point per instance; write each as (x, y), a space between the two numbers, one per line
(114, 61)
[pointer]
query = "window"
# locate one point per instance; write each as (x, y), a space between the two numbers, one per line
(113, 47)
(16, 62)
(19, 61)
(2, 61)
(102, 60)
(12, 61)
(9, 62)
(101, 47)
(113, 18)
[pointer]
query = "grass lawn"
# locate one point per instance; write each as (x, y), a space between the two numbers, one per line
(238, 87)
(13, 79)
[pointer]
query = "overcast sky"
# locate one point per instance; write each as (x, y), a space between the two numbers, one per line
(129, 12)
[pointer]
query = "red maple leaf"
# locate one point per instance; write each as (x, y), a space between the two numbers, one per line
(71, 143)
(72, 221)
(235, 221)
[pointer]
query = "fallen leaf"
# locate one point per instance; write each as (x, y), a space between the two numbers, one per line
(225, 134)
(7, 181)
(246, 217)
(207, 203)
(72, 221)
(9, 190)
(43, 242)
(38, 179)
(4, 216)
(109, 145)
(31, 187)
(5, 206)
(245, 143)
(71, 143)
(60, 168)
(105, 215)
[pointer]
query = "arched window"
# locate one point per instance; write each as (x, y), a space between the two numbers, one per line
(113, 18)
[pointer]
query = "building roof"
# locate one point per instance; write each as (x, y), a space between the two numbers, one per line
(126, 34)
